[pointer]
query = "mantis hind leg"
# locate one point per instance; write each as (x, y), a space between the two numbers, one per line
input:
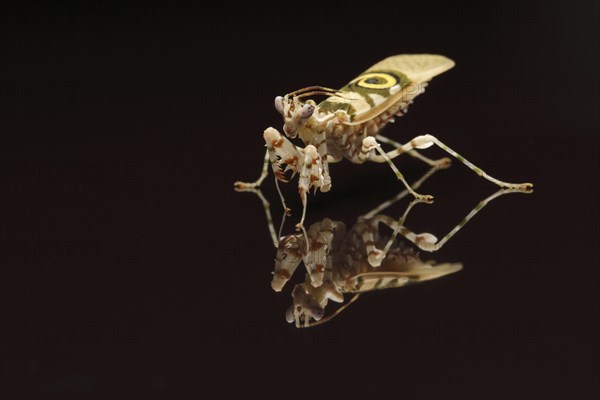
(369, 143)
(425, 141)
(442, 163)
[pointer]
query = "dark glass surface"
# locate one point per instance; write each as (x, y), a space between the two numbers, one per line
(130, 267)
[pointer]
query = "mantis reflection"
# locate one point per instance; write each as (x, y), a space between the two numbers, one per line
(360, 259)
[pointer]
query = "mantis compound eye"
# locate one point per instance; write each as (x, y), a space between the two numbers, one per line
(317, 313)
(279, 104)
(307, 111)
(289, 314)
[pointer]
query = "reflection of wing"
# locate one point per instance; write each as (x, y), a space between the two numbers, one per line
(376, 280)
(386, 83)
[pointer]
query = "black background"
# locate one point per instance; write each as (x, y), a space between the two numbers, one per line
(130, 268)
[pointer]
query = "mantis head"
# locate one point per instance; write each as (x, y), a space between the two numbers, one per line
(295, 113)
(304, 308)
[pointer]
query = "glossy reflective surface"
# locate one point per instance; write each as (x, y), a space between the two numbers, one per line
(129, 266)
(356, 260)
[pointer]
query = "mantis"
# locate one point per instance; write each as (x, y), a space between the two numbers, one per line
(347, 125)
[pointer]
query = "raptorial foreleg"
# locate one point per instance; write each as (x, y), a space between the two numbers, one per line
(311, 175)
(282, 151)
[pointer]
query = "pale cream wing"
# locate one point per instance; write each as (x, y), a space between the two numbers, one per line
(395, 79)
(418, 68)
(376, 280)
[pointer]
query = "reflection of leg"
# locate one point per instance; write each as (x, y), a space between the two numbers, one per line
(427, 241)
(369, 143)
(400, 195)
(272, 157)
(267, 208)
(441, 163)
(331, 316)
(376, 256)
(320, 238)
(254, 187)
(425, 141)
(371, 220)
